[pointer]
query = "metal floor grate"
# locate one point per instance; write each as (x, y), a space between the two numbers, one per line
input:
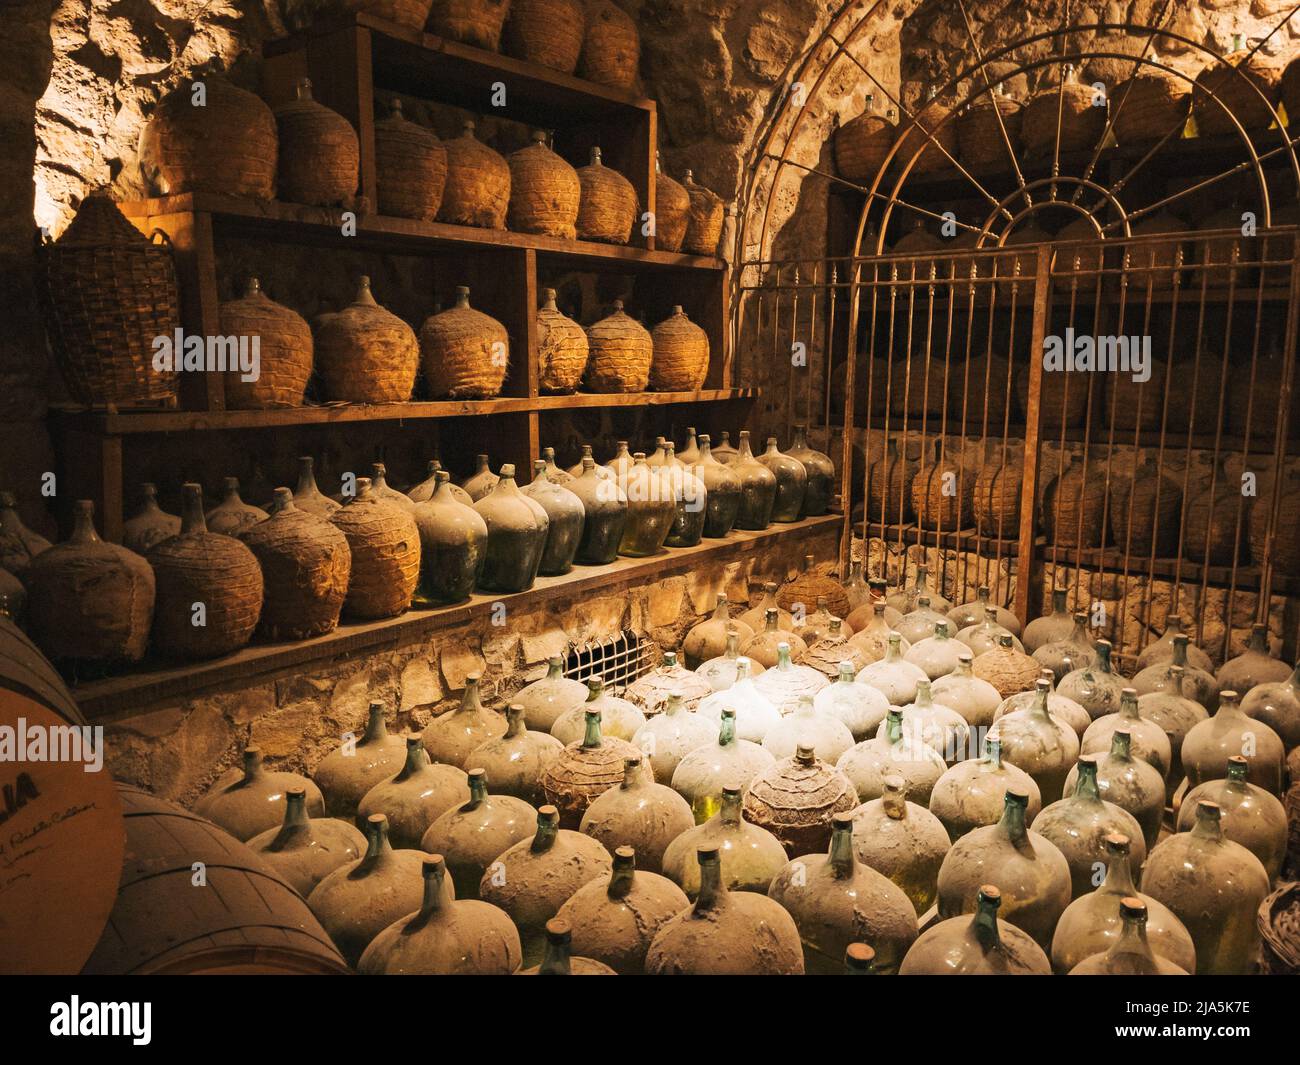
(617, 659)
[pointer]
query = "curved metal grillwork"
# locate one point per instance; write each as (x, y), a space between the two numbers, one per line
(938, 351)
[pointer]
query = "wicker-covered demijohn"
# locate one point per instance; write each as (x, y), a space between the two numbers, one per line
(208, 135)
(385, 545)
(607, 211)
(811, 588)
(477, 190)
(1279, 928)
(476, 22)
(89, 602)
(209, 588)
(544, 191)
(319, 153)
(672, 211)
(1145, 510)
(1245, 85)
(995, 501)
(1074, 505)
(1149, 105)
(562, 348)
(284, 345)
(704, 222)
(1069, 106)
(1285, 554)
(232, 515)
(611, 46)
(889, 487)
(410, 167)
(980, 130)
(365, 354)
(941, 495)
(929, 136)
(464, 352)
(681, 354)
(306, 564)
(1215, 508)
(621, 352)
(412, 14)
(863, 143)
(546, 32)
(107, 292)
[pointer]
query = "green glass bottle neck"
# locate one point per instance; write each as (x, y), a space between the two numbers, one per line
(985, 923)
(841, 858)
(731, 810)
(591, 736)
(712, 890)
(1013, 820)
(548, 829)
(556, 960)
(376, 727)
(1085, 787)
(1119, 874)
(727, 731)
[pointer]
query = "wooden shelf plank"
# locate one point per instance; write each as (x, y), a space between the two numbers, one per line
(291, 221)
(124, 423)
(159, 682)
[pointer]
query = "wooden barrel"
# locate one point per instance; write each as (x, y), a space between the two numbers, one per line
(62, 826)
(245, 919)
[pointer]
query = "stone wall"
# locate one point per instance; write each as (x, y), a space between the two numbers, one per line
(177, 750)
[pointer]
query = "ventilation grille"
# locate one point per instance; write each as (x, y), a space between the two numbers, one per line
(617, 659)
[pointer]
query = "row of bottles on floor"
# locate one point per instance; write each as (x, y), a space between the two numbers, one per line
(291, 570)
(731, 817)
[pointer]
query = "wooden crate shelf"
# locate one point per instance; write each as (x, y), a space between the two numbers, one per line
(352, 61)
(153, 683)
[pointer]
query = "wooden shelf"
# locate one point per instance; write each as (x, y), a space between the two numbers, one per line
(1111, 560)
(128, 422)
(153, 683)
(293, 222)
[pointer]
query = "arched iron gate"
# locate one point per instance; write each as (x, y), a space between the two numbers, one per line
(923, 371)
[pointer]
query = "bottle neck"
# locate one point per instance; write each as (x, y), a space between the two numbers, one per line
(591, 737)
(1119, 873)
(841, 857)
(434, 875)
(1085, 788)
(712, 891)
(1013, 820)
(732, 807)
(548, 828)
(985, 923)
(376, 727)
(556, 959)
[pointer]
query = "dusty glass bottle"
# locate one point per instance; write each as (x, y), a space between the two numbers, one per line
(453, 544)
(903, 841)
(1131, 954)
(565, 515)
(1208, 746)
(751, 856)
(722, 492)
(820, 472)
(1250, 815)
(972, 794)
(517, 530)
(758, 487)
(1128, 782)
(979, 945)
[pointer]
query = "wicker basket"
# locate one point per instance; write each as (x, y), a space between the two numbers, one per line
(928, 135)
(1279, 929)
(228, 145)
(1224, 257)
(107, 292)
(862, 145)
(1063, 397)
(464, 352)
(942, 495)
(1074, 506)
(984, 382)
(1210, 522)
(889, 487)
(1160, 261)
(1134, 404)
(918, 240)
(681, 354)
(70, 626)
(1237, 82)
(544, 191)
(995, 502)
(546, 32)
(364, 354)
(979, 136)
(385, 545)
(476, 22)
(918, 387)
(811, 588)
(1286, 534)
(621, 354)
(1291, 864)
(410, 167)
(1149, 105)
(205, 567)
(704, 222)
(1150, 527)
(562, 349)
(672, 212)
(412, 14)
(607, 212)
(477, 192)
(285, 351)
(1084, 256)
(305, 564)
(319, 153)
(611, 46)
(1081, 122)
